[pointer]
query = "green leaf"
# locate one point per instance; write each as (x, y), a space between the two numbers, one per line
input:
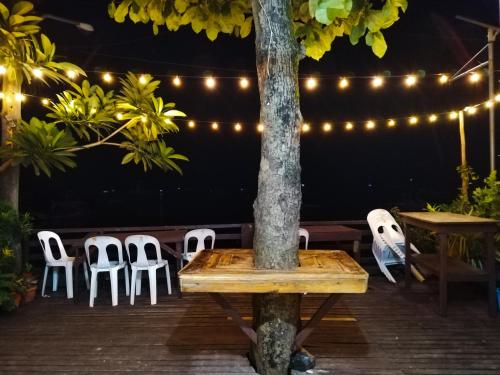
(212, 33)
(378, 43)
(246, 27)
(181, 5)
(4, 11)
(22, 7)
(122, 10)
(174, 113)
(128, 158)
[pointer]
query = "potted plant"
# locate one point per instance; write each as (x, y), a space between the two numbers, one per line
(30, 283)
(10, 295)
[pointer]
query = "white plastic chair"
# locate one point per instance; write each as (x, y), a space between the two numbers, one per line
(142, 263)
(388, 242)
(103, 264)
(304, 233)
(200, 235)
(64, 261)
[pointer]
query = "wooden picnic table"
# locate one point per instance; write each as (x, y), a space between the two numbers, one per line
(232, 271)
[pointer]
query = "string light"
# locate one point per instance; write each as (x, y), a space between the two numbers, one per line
(453, 115)
(244, 83)
(71, 74)
(370, 125)
(191, 124)
(470, 110)
(237, 127)
(19, 97)
(306, 128)
(210, 83)
(433, 118)
(37, 73)
(107, 77)
(475, 77)
(143, 80)
(488, 104)
(327, 127)
(497, 97)
(413, 120)
(391, 123)
(2, 95)
(176, 81)
(144, 119)
(410, 80)
(260, 128)
(343, 83)
(377, 82)
(349, 126)
(311, 83)
(3, 69)
(119, 116)
(215, 126)
(45, 101)
(443, 78)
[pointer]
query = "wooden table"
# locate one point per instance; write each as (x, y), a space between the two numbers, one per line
(332, 233)
(452, 269)
(232, 271)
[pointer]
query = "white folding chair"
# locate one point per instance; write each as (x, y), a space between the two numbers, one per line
(305, 234)
(199, 235)
(64, 261)
(103, 264)
(142, 263)
(388, 242)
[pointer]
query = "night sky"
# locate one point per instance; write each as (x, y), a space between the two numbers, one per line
(344, 175)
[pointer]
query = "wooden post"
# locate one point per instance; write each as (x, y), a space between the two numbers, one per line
(464, 175)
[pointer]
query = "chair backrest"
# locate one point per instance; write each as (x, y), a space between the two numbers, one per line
(200, 235)
(44, 237)
(140, 241)
(304, 233)
(381, 224)
(102, 243)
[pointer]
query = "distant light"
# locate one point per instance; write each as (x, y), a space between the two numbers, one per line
(377, 82)
(71, 74)
(237, 127)
(19, 97)
(260, 128)
(306, 127)
(215, 126)
(191, 124)
(413, 120)
(119, 116)
(370, 125)
(410, 80)
(349, 126)
(453, 115)
(327, 127)
(144, 119)
(107, 77)
(3, 70)
(2, 95)
(311, 83)
(391, 123)
(210, 83)
(433, 118)
(471, 110)
(343, 83)
(244, 83)
(93, 111)
(37, 73)
(497, 97)
(475, 77)
(45, 101)
(143, 80)
(443, 78)
(488, 104)
(176, 81)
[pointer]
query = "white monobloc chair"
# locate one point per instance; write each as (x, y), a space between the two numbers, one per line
(388, 242)
(200, 235)
(103, 264)
(142, 263)
(304, 233)
(64, 261)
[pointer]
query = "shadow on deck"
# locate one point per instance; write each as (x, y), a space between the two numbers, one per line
(386, 331)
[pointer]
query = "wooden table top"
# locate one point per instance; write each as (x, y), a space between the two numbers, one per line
(446, 218)
(332, 233)
(233, 271)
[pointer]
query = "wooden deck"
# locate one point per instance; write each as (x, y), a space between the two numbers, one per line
(385, 331)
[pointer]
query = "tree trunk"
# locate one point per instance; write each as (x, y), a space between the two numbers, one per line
(277, 207)
(11, 116)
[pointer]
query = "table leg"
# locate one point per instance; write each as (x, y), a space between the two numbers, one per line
(443, 273)
(355, 251)
(408, 278)
(490, 265)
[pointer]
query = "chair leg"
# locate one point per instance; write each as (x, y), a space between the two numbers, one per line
(152, 285)
(93, 287)
(113, 278)
(69, 280)
(132, 285)
(169, 286)
(45, 280)
(138, 283)
(127, 283)
(55, 277)
(86, 274)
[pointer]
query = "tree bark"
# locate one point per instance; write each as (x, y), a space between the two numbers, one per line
(277, 207)
(11, 116)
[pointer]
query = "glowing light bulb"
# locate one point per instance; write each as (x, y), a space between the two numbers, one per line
(191, 124)
(413, 120)
(377, 82)
(71, 74)
(443, 78)
(45, 101)
(453, 115)
(327, 127)
(143, 80)
(237, 127)
(2, 95)
(37, 73)
(391, 123)
(475, 77)
(176, 81)
(3, 69)
(470, 110)
(311, 83)
(93, 111)
(244, 83)
(497, 97)
(210, 83)
(488, 104)
(215, 126)
(410, 80)
(306, 127)
(433, 118)
(107, 77)
(144, 119)
(349, 126)
(370, 125)
(260, 128)
(119, 116)
(343, 83)
(19, 97)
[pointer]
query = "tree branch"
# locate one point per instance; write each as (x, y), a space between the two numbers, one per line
(102, 141)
